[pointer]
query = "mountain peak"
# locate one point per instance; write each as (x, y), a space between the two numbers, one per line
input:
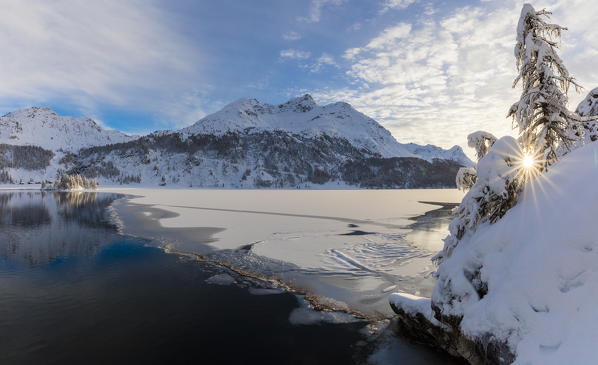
(43, 127)
(302, 115)
(301, 104)
(31, 112)
(242, 103)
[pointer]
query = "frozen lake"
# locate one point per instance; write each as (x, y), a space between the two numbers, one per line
(75, 288)
(348, 248)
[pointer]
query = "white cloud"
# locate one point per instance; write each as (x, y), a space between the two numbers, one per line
(315, 10)
(117, 53)
(324, 60)
(351, 53)
(355, 27)
(295, 54)
(387, 38)
(291, 36)
(395, 4)
(440, 79)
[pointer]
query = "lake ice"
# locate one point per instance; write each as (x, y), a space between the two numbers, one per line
(348, 247)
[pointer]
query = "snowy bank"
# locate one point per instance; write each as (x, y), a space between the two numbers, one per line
(540, 264)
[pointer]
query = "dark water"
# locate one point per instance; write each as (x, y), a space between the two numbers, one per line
(72, 290)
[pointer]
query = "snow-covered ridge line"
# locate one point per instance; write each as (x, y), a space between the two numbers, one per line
(304, 116)
(298, 144)
(45, 128)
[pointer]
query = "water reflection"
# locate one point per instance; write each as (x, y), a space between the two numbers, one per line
(37, 227)
(74, 291)
(87, 208)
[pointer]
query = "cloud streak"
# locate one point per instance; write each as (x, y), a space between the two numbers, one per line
(295, 54)
(395, 4)
(315, 10)
(120, 54)
(291, 36)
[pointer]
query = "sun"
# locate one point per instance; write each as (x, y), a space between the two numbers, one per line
(528, 161)
(529, 166)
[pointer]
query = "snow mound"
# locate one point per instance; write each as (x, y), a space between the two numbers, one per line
(306, 315)
(413, 305)
(540, 263)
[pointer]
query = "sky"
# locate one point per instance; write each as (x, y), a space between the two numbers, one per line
(429, 71)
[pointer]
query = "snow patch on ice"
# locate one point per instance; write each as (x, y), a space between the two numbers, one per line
(413, 304)
(306, 315)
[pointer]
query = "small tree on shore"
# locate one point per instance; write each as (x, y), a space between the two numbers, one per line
(74, 182)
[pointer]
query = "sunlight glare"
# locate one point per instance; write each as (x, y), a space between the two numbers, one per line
(528, 161)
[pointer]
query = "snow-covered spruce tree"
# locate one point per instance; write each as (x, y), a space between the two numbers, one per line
(547, 129)
(497, 184)
(466, 178)
(481, 142)
(74, 182)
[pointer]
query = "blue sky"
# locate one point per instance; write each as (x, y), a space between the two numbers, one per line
(429, 71)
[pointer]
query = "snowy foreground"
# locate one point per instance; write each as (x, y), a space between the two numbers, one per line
(541, 265)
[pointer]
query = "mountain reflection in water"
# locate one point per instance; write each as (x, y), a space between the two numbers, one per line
(37, 227)
(75, 291)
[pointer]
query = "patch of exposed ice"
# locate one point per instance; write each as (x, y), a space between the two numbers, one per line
(265, 291)
(221, 279)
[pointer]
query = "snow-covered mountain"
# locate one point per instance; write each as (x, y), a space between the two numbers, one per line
(304, 116)
(589, 106)
(247, 144)
(268, 159)
(44, 128)
(430, 152)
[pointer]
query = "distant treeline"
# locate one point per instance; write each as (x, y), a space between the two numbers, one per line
(287, 159)
(24, 157)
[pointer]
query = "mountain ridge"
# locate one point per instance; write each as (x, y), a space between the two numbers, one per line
(38, 126)
(304, 116)
(247, 144)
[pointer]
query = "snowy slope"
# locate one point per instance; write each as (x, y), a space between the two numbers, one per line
(44, 128)
(541, 268)
(270, 159)
(304, 116)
